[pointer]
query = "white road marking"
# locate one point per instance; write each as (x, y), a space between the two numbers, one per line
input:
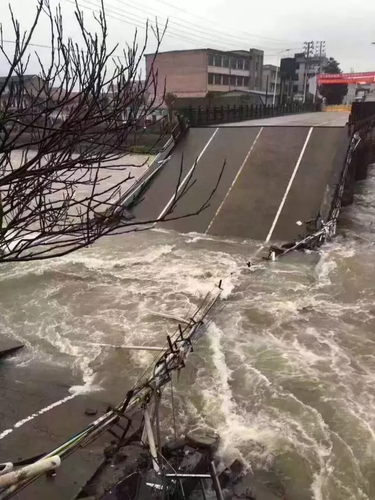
(269, 236)
(187, 175)
(235, 179)
(34, 415)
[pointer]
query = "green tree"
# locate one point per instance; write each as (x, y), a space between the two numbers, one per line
(334, 93)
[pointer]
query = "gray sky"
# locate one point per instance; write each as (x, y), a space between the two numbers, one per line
(347, 26)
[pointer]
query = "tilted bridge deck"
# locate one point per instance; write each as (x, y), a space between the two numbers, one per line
(274, 177)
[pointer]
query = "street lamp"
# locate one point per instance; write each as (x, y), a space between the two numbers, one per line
(277, 74)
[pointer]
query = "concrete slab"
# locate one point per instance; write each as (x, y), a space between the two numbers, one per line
(8, 346)
(23, 394)
(229, 145)
(164, 185)
(324, 153)
(279, 184)
(250, 208)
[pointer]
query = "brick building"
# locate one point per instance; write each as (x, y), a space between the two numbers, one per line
(193, 73)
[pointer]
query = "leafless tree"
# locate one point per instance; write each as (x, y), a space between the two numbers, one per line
(65, 138)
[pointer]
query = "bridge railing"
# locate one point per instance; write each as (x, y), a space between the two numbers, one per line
(362, 116)
(201, 116)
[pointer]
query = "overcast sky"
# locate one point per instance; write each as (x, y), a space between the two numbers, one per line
(347, 26)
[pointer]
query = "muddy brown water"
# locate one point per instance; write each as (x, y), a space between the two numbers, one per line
(286, 372)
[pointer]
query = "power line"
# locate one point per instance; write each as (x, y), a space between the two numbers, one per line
(195, 66)
(248, 35)
(194, 27)
(134, 19)
(39, 45)
(179, 33)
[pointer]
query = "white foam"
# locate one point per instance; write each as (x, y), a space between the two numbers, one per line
(324, 269)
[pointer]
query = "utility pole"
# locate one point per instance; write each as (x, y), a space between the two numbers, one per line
(309, 51)
(320, 50)
(277, 74)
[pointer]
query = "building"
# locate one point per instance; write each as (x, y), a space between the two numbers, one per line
(360, 92)
(297, 71)
(193, 73)
(20, 92)
(307, 68)
(269, 79)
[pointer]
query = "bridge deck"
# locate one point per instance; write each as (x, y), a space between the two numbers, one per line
(274, 177)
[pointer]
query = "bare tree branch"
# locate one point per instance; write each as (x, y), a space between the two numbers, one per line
(66, 134)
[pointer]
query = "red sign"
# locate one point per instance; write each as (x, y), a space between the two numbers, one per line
(348, 78)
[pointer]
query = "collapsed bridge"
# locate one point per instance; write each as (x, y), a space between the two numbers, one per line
(275, 177)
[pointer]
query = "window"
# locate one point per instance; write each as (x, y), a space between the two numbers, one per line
(210, 59)
(247, 64)
(232, 80)
(239, 81)
(239, 63)
(295, 88)
(210, 79)
(217, 61)
(217, 79)
(226, 62)
(246, 81)
(233, 63)
(225, 79)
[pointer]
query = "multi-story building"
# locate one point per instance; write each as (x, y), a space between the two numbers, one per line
(307, 68)
(299, 70)
(271, 79)
(193, 73)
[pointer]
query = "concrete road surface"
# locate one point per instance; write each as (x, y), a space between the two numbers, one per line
(322, 119)
(274, 176)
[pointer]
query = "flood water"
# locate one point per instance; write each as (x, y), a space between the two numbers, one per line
(286, 373)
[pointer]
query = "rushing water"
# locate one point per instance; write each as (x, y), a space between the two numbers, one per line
(286, 374)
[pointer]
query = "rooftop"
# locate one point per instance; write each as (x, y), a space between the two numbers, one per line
(16, 78)
(269, 66)
(207, 49)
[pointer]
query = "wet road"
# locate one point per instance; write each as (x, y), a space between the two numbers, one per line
(274, 177)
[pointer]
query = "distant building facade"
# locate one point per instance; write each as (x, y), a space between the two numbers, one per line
(193, 73)
(297, 70)
(20, 92)
(270, 79)
(307, 68)
(357, 92)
